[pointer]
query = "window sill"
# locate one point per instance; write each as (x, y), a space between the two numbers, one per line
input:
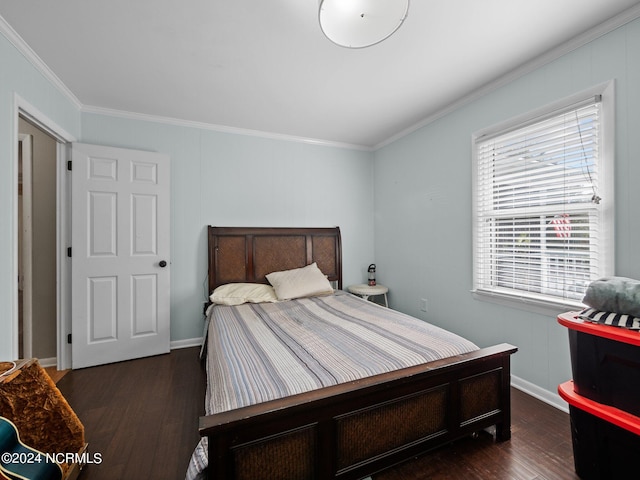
(547, 307)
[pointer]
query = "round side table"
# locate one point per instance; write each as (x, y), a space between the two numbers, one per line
(365, 291)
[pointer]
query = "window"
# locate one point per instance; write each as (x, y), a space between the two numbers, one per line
(541, 231)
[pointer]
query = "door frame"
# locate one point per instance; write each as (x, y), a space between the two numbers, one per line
(24, 109)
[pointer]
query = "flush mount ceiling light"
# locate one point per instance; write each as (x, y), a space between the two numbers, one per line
(361, 23)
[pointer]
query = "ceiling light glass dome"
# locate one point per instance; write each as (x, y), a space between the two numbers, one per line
(361, 23)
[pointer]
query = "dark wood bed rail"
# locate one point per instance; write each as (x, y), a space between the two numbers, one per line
(417, 409)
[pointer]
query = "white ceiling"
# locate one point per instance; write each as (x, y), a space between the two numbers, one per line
(264, 65)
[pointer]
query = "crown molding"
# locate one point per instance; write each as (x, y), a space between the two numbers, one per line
(32, 57)
(220, 128)
(551, 55)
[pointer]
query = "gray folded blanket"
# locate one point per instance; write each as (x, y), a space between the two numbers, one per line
(614, 294)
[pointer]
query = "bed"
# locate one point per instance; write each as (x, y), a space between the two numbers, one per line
(357, 423)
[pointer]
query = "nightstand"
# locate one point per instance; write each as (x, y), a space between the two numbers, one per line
(365, 291)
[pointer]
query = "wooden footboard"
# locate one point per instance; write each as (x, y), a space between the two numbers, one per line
(352, 430)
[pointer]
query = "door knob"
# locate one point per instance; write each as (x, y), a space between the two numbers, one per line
(162, 263)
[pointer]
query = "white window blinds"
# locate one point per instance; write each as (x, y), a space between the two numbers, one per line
(537, 206)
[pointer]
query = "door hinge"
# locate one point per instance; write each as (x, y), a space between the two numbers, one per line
(69, 165)
(69, 338)
(69, 252)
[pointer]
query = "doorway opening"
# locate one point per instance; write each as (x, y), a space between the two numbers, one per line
(37, 243)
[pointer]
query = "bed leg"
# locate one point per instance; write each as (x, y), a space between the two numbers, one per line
(503, 427)
(503, 431)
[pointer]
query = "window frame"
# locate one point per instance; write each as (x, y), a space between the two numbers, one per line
(541, 303)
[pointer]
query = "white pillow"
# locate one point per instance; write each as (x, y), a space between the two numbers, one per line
(239, 293)
(300, 282)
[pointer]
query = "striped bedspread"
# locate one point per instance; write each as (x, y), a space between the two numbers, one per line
(260, 352)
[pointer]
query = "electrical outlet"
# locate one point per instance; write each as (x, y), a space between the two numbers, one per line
(424, 304)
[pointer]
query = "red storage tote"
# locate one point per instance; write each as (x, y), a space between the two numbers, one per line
(605, 362)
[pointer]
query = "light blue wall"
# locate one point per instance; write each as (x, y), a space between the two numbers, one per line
(226, 179)
(423, 205)
(19, 77)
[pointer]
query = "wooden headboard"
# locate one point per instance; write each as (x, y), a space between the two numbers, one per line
(247, 254)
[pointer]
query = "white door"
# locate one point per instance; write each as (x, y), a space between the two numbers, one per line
(120, 254)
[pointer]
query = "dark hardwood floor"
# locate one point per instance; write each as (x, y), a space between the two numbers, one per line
(142, 417)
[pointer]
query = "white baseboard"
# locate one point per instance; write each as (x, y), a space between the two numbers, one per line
(189, 342)
(176, 344)
(540, 393)
(48, 362)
